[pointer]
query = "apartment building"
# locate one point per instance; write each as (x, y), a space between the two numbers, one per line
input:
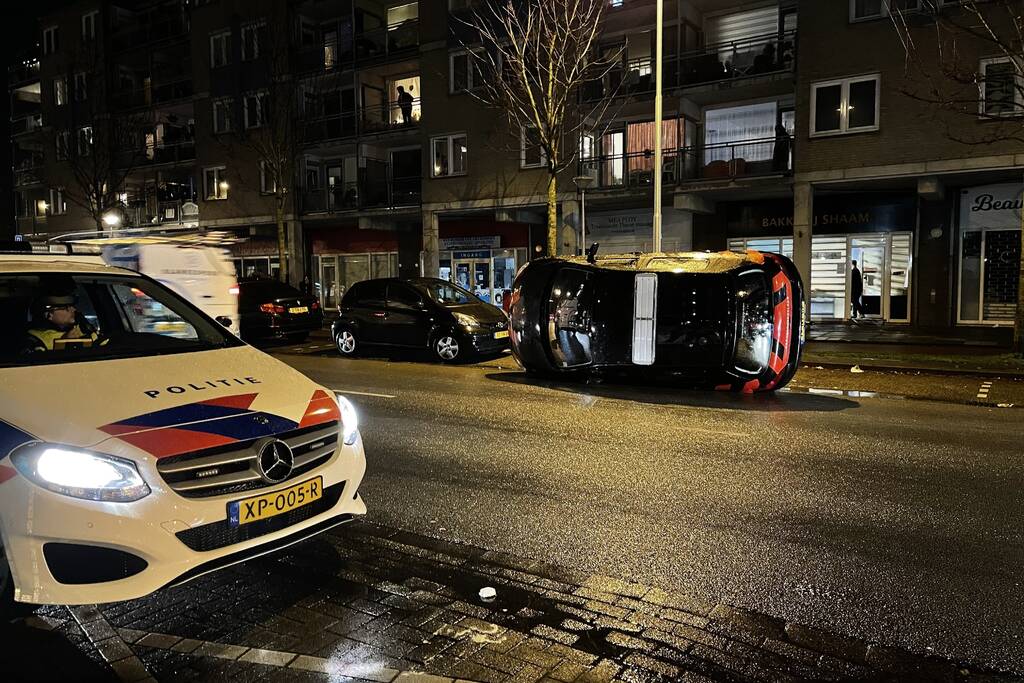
(786, 127)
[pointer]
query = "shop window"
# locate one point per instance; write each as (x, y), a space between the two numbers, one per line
(449, 155)
(1001, 88)
(850, 105)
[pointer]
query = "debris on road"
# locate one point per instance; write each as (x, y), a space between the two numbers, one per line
(488, 594)
(856, 369)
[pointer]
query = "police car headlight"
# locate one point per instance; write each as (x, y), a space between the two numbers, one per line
(349, 420)
(80, 474)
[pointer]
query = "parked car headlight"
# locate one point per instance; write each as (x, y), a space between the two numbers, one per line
(467, 321)
(80, 474)
(349, 420)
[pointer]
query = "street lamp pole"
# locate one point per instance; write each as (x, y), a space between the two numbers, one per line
(582, 183)
(657, 125)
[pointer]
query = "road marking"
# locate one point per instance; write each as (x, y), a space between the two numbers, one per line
(128, 668)
(363, 393)
(983, 391)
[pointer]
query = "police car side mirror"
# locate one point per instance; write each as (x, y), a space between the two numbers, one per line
(223, 320)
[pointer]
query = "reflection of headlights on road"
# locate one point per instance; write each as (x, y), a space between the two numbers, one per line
(467, 321)
(349, 420)
(80, 474)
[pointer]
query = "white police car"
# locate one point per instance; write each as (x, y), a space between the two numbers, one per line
(142, 444)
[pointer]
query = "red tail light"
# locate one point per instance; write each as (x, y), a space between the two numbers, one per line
(272, 308)
(315, 305)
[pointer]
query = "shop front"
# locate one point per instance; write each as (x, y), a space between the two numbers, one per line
(346, 255)
(876, 232)
(989, 254)
(485, 264)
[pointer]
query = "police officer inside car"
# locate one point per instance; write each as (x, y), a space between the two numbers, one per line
(55, 320)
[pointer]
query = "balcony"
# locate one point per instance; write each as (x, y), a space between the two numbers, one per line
(26, 124)
(726, 161)
(383, 193)
(155, 28)
(343, 53)
(772, 53)
(157, 93)
(368, 120)
(23, 72)
(154, 212)
(28, 168)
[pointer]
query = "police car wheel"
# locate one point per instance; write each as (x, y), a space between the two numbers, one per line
(346, 343)
(446, 347)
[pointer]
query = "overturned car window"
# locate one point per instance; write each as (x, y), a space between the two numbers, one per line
(754, 322)
(62, 318)
(569, 316)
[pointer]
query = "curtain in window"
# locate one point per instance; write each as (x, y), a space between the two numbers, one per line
(640, 143)
(728, 133)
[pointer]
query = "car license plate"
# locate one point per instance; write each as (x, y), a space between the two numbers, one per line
(298, 309)
(501, 335)
(261, 507)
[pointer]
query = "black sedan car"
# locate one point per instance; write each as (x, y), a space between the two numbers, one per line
(727, 321)
(419, 313)
(269, 309)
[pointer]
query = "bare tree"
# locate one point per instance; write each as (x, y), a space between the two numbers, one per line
(536, 58)
(968, 60)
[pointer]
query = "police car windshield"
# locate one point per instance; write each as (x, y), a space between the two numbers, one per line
(69, 317)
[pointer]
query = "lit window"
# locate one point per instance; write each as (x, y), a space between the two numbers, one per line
(89, 25)
(849, 105)
(449, 155)
(220, 44)
(1000, 88)
(214, 184)
(57, 206)
(222, 116)
(51, 40)
(60, 91)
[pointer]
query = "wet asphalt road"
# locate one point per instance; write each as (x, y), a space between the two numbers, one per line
(890, 520)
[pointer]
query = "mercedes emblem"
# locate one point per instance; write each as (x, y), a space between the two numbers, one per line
(274, 460)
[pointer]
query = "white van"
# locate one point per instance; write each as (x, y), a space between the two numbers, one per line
(202, 274)
(142, 445)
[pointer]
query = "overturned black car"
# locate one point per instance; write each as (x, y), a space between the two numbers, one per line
(724, 320)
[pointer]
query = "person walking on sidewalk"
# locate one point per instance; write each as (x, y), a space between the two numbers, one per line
(856, 292)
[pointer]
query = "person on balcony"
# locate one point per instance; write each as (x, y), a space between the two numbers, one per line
(405, 101)
(783, 144)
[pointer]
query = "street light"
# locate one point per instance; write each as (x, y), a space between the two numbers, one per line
(111, 219)
(583, 183)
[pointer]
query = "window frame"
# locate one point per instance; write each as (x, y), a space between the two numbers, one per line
(80, 136)
(470, 84)
(1018, 89)
(58, 205)
(266, 189)
(254, 27)
(844, 103)
(450, 139)
(51, 40)
(80, 94)
(261, 111)
(883, 11)
(60, 91)
(218, 172)
(225, 53)
(89, 19)
(229, 123)
(62, 142)
(523, 148)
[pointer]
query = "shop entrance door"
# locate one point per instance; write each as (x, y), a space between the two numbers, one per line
(884, 261)
(869, 253)
(474, 275)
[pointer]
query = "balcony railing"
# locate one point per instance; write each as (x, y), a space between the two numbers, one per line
(151, 30)
(28, 169)
(157, 212)
(383, 43)
(26, 124)
(745, 159)
(25, 71)
(765, 54)
(365, 194)
(367, 120)
(157, 93)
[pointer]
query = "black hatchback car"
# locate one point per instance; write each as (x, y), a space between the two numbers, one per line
(269, 309)
(419, 313)
(726, 321)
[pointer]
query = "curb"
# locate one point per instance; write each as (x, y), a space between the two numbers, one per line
(955, 372)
